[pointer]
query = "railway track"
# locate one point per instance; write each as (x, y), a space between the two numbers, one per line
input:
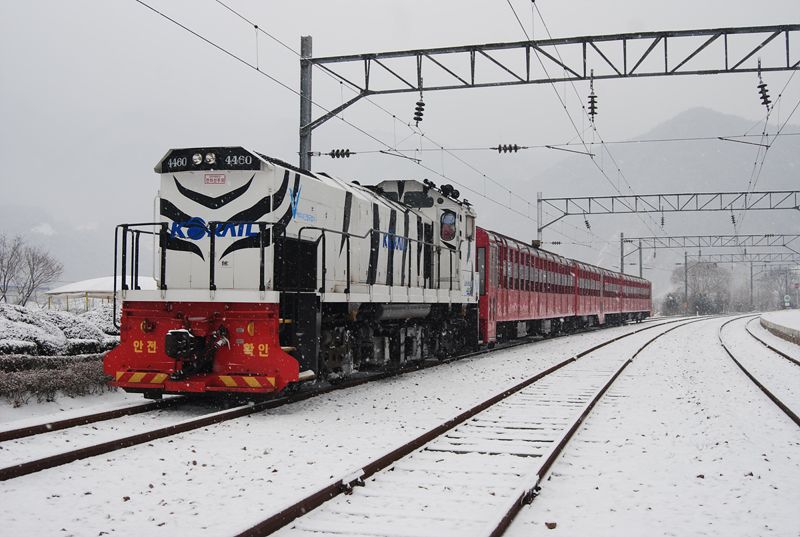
(86, 419)
(21, 468)
(471, 474)
(795, 361)
(778, 380)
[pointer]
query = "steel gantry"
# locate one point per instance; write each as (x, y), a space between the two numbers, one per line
(630, 55)
(790, 242)
(788, 261)
(665, 203)
(766, 257)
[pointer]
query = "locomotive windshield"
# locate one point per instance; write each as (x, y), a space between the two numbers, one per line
(448, 227)
(419, 200)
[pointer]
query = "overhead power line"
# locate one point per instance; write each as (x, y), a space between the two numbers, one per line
(285, 86)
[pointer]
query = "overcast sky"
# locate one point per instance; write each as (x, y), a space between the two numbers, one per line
(93, 93)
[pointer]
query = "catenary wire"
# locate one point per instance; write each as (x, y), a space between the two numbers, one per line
(296, 92)
(440, 147)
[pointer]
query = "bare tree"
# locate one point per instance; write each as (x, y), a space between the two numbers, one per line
(709, 287)
(10, 261)
(38, 268)
(772, 286)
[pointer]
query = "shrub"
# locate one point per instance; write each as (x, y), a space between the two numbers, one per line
(79, 378)
(16, 346)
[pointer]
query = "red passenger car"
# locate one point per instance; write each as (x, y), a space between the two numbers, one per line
(525, 290)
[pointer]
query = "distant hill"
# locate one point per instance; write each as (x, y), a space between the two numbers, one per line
(671, 167)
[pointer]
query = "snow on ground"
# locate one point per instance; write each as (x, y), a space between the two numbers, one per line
(779, 375)
(222, 479)
(684, 444)
(787, 318)
(62, 408)
(779, 343)
(41, 446)
(434, 491)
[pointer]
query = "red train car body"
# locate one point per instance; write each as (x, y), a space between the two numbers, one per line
(526, 290)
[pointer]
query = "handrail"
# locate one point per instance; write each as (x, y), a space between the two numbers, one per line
(369, 234)
(121, 265)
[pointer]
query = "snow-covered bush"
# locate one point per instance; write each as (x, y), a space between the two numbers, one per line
(17, 346)
(102, 318)
(82, 377)
(19, 323)
(23, 362)
(50, 332)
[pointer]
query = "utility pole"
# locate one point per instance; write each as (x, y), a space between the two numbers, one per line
(622, 253)
(640, 258)
(539, 217)
(305, 102)
(686, 282)
(752, 306)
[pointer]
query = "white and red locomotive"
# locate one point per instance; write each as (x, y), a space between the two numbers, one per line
(268, 276)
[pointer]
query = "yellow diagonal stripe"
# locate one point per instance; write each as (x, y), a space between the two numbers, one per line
(137, 377)
(271, 380)
(119, 374)
(227, 380)
(158, 378)
(252, 382)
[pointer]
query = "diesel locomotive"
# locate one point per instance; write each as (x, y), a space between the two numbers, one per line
(269, 276)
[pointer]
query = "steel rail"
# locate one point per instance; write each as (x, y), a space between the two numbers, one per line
(357, 477)
(45, 463)
(780, 404)
(58, 425)
(795, 361)
(529, 492)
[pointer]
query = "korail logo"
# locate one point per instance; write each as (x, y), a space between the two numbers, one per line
(294, 197)
(196, 229)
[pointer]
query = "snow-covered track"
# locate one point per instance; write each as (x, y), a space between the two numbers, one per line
(515, 435)
(58, 425)
(795, 361)
(747, 371)
(31, 466)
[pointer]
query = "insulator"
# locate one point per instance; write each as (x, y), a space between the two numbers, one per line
(419, 110)
(340, 153)
(592, 106)
(662, 219)
(556, 243)
(586, 221)
(764, 93)
(733, 219)
(508, 148)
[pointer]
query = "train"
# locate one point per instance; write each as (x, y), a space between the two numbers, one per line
(269, 276)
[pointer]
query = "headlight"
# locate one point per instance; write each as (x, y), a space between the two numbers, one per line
(211, 158)
(197, 159)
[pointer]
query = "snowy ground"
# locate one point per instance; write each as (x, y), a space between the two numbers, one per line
(224, 478)
(779, 343)
(684, 445)
(787, 318)
(680, 411)
(62, 408)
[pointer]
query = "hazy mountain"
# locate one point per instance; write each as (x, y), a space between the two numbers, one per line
(670, 167)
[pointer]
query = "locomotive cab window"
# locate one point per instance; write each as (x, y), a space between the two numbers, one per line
(447, 229)
(418, 200)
